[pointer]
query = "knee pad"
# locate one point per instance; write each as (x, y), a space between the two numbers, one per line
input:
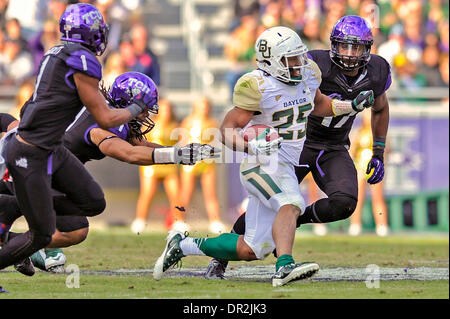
(343, 205)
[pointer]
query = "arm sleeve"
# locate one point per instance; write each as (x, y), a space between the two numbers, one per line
(5, 120)
(246, 94)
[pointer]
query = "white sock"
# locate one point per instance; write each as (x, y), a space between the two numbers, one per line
(189, 247)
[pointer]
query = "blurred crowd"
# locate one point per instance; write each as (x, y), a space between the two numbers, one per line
(412, 35)
(28, 31)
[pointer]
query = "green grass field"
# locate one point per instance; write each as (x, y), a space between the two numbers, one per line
(105, 252)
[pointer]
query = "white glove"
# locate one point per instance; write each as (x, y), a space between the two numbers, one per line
(259, 145)
(187, 155)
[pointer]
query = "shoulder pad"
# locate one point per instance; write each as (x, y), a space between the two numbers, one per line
(246, 93)
(380, 73)
(81, 59)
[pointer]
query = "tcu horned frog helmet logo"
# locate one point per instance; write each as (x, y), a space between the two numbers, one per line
(83, 23)
(274, 47)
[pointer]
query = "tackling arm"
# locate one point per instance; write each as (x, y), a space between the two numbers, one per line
(325, 106)
(120, 149)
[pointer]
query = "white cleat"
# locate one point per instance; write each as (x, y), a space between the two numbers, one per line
(54, 260)
(171, 255)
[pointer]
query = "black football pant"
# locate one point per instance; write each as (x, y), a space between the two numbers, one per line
(335, 174)
(36, 172)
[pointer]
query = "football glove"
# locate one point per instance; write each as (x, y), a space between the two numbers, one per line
(187, 155)
(365, 99)
(260, 146)
(375, 170)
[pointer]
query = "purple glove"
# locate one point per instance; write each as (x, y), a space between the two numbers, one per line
(377, 174)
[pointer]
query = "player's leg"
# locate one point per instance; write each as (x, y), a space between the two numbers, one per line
(83, 195)
(148, 186)
(172, 187)
(335, 174)
(187, 184)
(208, 181)
(70, 230)
(355, 220)
(9, 212)
(28, 166)
(380, 210)
(279, 193)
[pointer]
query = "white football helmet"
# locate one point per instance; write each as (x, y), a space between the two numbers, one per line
(273, 48)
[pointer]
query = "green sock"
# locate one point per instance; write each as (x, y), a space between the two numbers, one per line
(221, 247)
(284, 260)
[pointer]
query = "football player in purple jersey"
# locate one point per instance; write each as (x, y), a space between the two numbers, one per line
(87, 141)
(35, 156)
(347, 69)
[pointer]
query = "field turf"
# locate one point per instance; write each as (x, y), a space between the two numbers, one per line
(105, 252)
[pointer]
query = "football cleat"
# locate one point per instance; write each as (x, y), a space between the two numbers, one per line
(50, 259)
(216, 269)
(171, 255)
(38, 259)
(25, 267)
(293, 272)
(54, 260)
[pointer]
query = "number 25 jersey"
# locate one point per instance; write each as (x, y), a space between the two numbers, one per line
(282, 106)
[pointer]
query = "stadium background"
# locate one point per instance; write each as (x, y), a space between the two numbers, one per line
(202, 46)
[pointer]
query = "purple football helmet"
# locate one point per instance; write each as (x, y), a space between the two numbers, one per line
(83, 23)
(135, 87)
(351, 34)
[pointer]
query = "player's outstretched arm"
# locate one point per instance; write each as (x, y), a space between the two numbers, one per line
(325, 106)
(112, 146)
(95, 102)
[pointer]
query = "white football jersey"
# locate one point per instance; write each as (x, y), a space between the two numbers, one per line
(280, 105)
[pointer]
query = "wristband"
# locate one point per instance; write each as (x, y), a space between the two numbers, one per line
(164, 155)
(134, 109)
(379, 143)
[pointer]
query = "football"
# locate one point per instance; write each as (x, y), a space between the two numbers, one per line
(253, 131)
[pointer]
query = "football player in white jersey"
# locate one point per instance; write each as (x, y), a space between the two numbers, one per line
(281, 93)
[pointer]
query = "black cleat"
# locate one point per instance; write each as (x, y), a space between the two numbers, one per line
(25, 267)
